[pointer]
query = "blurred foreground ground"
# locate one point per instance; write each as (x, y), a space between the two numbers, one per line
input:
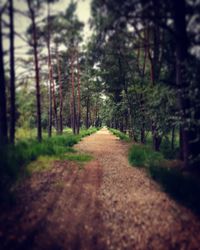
(106, 204)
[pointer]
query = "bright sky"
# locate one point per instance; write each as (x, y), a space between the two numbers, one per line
(21, 22)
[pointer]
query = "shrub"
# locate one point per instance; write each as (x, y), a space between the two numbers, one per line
(141, 155)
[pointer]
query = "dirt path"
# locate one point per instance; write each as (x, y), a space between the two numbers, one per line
(136, 213)
(105, 205)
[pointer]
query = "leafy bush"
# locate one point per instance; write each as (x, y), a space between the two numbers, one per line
(141, 155)
(165, 147)
(167, 151)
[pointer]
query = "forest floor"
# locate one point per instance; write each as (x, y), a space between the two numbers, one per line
(105, 204)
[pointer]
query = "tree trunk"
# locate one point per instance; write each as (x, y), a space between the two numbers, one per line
(50, 109)
(79, 98)
(60, 93)
(87, 112)
(157, 139)
(157, 143)
(173, 138)
(180, 143)
(55, 106)
(73, 104)
(12, 74)
(50, 75)
(37, 76)
(3, 116)
(181, 80)
(142, 134)
(142, 131)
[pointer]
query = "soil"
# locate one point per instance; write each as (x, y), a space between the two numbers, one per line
(107, 204)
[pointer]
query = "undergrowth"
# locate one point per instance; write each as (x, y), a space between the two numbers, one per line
(15, 158)
(165, 147)
(182, 186)
(78, 157)
(42, 163)
(119, 134)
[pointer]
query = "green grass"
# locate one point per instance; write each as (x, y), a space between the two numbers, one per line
(13, 159)
(119, 134)
(78, 157)
(141, 155)
(183, 187)
(42, 163)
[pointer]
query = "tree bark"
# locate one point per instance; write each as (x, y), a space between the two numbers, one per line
(55, 105)
(79, 98)
(173, 138)
(50, 76)
(60, 93)
(37, 75)
(181, 81)
(87, 112)
(12, 74)
(3, 116)
(50, 108)
(73, 104)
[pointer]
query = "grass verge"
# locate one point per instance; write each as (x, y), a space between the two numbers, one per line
(182, 186)
(119, 134)
(81, 158)
(15, 158)
(43, 163)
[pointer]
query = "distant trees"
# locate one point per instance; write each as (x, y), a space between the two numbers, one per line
(53, 31)
(140, 59)
(56, 30)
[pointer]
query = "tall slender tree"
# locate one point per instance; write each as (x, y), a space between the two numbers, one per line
(50, 80)
(60, 91)
(73, 101)
(12, 73)
(3, 116)
(31, 5)
(79, 94)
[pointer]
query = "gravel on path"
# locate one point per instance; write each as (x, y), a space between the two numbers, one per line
(104, 205)
(135, 212)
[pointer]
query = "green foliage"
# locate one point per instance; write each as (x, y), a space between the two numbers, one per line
(167, 150)
(165, 147)
(89, 131)
(43, 163)
(121, 135)
(183, 187)
(14, 158)
(141, 155)
(78, 157)
(22, 133)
